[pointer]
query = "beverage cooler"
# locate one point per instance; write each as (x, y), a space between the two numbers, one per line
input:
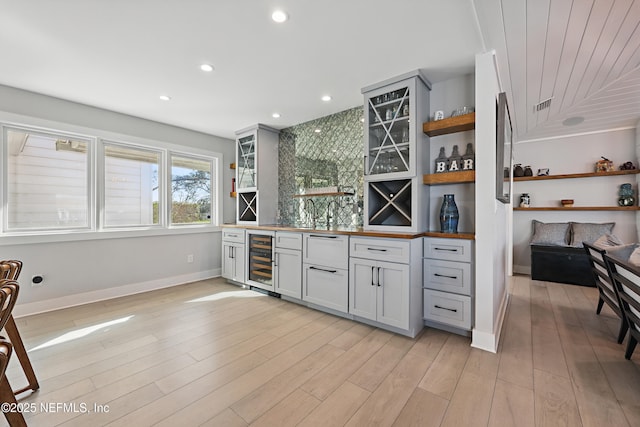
(260, 259)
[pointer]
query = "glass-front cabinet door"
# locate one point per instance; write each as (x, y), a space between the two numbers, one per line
(246, 162)
(390, 139)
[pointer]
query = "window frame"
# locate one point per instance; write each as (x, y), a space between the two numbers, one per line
(90, 178)
(101, 175)
(95, 180)
(215, 192)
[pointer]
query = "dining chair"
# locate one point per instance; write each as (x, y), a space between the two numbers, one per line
(626, 279)
(10, 269)
(13, 417)
(606, 290)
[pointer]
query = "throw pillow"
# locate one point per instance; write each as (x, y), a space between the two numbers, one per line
(607, 241)
(588, 232)
(634, 258)
(552, 233)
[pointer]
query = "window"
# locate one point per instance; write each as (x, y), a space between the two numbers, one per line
(192, 190)
(47, 180)
(131, 186)
(54, 181)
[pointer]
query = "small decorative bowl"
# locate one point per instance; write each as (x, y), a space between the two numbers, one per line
(567, 203)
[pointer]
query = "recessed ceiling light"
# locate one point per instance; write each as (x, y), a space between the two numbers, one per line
(279, 16)
(317, 131)
(206, 67)
(572, 121)
(165, 97)
(276, 115)
(326, 98)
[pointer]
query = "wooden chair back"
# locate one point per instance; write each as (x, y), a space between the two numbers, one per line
(8, 296)
(10, 269)
(626, 278)
(606, 290)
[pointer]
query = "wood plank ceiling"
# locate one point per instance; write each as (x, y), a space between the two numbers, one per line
(584, 55)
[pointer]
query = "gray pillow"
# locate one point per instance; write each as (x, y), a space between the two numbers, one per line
(607, 241)
(588, 232)
(552, 233)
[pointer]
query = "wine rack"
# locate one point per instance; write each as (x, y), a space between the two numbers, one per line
(390, 202)
(247, 206)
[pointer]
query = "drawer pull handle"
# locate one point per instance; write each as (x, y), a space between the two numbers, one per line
(232, 235)
(445, 308)
(323, 237)
(444, 275)
(376, 249)
(446, 249)
(322, 269)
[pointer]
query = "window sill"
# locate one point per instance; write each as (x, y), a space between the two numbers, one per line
(8, 239)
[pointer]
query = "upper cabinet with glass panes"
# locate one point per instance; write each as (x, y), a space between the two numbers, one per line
(393, 110)
(246, 161)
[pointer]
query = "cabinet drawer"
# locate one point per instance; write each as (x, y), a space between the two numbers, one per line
(449, 249)
(394, 250)
(287, 240)
(233, 235)
(450, 309)
(326, 249)
(328, 287)
(448, 276)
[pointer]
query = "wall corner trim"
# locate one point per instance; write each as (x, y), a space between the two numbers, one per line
(490, 341)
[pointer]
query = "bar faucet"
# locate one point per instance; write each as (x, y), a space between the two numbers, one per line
(329, 215)
(310, 209)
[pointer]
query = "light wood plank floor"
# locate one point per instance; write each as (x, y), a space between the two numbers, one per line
(212, 354)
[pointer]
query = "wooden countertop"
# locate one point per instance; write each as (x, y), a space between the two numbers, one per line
(355, 231)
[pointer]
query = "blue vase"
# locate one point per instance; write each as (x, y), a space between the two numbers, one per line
(449, 215)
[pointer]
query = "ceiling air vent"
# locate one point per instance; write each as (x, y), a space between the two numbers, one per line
(542, 105)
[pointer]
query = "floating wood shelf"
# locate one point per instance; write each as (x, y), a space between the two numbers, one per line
(462, 235)
(450, 125)
(337, 193)
(580, 208)
(449, 177)
(577, 175)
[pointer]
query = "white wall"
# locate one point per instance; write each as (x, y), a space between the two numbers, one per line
(492, 217)
(447, 96)
(84, 270)
(573, 154)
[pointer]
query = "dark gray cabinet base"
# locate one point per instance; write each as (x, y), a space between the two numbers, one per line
(562, 264)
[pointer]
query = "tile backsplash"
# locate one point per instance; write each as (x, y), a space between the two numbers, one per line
(322, 153)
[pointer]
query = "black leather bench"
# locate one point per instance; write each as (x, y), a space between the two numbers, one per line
(562, 264)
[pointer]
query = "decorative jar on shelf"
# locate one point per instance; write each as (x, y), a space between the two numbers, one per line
(626, 196)
(449, 215)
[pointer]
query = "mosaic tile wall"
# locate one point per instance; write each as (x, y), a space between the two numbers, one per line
(322, 153)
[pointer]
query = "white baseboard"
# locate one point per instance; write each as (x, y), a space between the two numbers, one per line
(21, 310)
(522, 269)
(489, 341)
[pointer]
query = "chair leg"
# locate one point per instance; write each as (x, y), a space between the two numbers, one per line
(600, 304)
(15, 419)
(624, 326)
(631, 345)
(21, 353)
